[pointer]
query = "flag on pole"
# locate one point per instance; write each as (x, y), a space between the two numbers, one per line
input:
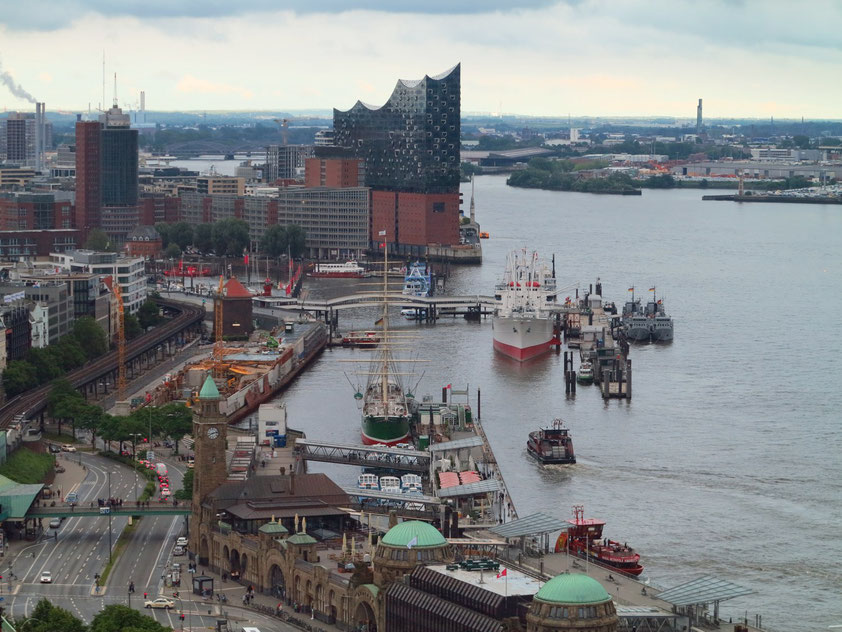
(377, 322)
(246, 259)
(382, 233)
(503, 573)
(412, 542)
(651, 289)
(449, 386)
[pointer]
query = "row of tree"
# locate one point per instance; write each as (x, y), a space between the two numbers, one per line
(229, 238)
(114, 618)
(67, 406)
(86, 342)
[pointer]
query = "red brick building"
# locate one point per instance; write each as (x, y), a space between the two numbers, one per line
(155, 210)
(143, 241)
(334, 172)
(415, 219)
(34, 211)
(88, 194)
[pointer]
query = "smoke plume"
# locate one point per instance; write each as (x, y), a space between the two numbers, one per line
(14, 87)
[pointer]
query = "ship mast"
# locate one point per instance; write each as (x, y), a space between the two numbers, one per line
(384, 375)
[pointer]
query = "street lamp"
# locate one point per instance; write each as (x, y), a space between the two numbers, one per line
(110, 507)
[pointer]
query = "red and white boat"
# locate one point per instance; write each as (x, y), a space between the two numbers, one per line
(347, 270)
(583, 538)
(523, 322)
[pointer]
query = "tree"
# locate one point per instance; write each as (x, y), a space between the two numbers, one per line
(186, 491)
(18, 377)
(46, 618)
(172, 251)
(69, 353)
(90, 336)
(181, 234)
(89, 417)
(297, 239)
(164, 231)
(801, 141)
(148, 315)
(131, 326)
(230, 237)
(274, 241)
(174, 420)
(118, 618)
(98, 240)
(203, 238)
(45, 364)
(63, 402)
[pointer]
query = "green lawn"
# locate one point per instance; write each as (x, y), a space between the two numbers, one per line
(26, 466)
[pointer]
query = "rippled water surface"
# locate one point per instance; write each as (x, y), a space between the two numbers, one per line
(728, 460)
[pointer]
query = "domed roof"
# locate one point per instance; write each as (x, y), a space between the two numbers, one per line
(209, 390)
(301, 538)
(273, 527)
(572, 588)
(425, 535)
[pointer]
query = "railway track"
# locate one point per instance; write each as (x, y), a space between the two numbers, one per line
(34, 401)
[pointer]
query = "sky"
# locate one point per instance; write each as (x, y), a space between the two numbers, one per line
(746, 58)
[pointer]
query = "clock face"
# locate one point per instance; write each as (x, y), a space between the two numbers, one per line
(213, 433)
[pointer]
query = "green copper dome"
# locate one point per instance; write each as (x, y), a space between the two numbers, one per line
(425, 535)
(572, 588)
(273, 527)
(301, 538)
(209, 390)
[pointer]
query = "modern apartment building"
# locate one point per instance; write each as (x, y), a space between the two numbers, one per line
(35, 211)
(128, 271)
(285, 162)
(51, 293)
(220, 185)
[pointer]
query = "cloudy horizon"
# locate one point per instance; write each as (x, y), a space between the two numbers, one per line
(596, 58)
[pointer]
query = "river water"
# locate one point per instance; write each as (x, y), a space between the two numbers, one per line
(728, 460)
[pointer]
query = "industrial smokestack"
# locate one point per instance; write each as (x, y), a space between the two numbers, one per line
(142, 106)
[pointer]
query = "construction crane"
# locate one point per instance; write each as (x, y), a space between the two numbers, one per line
(121, 343)
(283, 126)
(217, 322)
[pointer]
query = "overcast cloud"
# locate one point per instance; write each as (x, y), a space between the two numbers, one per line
(588, 57)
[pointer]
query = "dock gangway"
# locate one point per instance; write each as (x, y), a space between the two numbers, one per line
(364, 456)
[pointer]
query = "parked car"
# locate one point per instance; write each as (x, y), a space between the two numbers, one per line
(160, 602)
(68, 448)
(72, 497)
(165, 493)
(179, 550)
(46, 577)
(60, 469)
(54, 448)
(55, 523)
(182, 541)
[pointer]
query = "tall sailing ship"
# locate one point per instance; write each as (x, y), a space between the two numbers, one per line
(523, 322)
(386, 407)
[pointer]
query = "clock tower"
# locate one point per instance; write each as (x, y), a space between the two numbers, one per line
(210, 437)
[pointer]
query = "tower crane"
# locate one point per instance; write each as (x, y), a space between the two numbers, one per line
(217, 322)
(121, 343)
(283, 125)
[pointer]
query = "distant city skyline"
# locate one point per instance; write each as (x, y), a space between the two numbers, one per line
(593, 58)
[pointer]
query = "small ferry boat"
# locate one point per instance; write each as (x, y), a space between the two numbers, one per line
(361, 339)
(484, 235)
(583, 538)
(347, 270)
(551, 445)
(585, 374)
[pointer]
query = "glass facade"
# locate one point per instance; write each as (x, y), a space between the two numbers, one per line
(118, 161)
(411, 143)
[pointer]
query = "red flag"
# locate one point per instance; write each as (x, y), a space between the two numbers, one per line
(383, 245)
(502, 573)
(449, 386)
(246, 259)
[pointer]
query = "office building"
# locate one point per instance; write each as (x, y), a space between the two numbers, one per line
(18, 330)
(24, 137)
(220, 185)
(143, 241)
(335, 220)
(54, 295)
(35, 211)
(285, 162)
(128, 271)
(107, 175)
(28, 244)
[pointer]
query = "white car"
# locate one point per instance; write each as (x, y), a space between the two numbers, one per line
(165, 492)
(160, 602)
(46, 577)
(182, 541)
(68, 448)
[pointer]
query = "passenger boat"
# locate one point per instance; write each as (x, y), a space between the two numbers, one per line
(361, 339)
(551, 445)
(347, 270)
(523, 323)
(585, 374)
(583, 538)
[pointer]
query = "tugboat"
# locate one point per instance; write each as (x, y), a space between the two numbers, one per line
(585, 374)
(551, 446)
(583, 538)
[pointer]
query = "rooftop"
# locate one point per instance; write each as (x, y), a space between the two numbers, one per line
(514, 582)
(573, 588)
(209, 390)
(425, 535)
